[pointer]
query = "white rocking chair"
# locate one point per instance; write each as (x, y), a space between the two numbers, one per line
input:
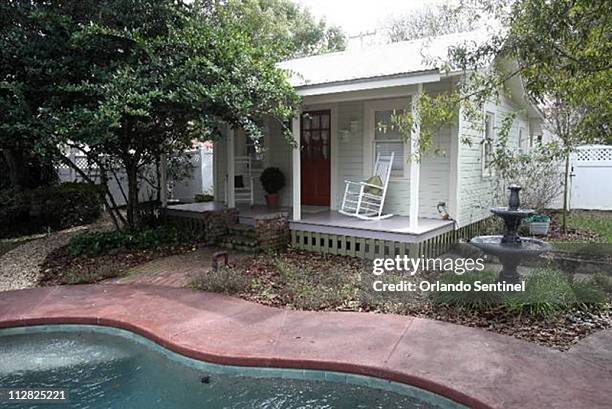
(360, 203)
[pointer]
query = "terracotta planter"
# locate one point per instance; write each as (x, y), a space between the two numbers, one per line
(272, 200)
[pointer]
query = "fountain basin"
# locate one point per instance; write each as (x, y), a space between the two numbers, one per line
(527, 246)
(510, 254)
(505, 211)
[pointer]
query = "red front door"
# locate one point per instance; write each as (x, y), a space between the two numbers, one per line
(315, 141)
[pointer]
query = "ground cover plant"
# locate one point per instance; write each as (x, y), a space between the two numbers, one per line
(555, 310)
(95, 256)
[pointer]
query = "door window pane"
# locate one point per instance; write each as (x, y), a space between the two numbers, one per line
(316, 135)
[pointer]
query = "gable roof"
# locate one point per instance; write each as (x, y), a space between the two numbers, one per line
(389, 60)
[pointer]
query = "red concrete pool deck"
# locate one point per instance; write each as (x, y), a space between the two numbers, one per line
(472, 366)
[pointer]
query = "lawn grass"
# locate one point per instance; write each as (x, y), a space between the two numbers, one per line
(599, 223)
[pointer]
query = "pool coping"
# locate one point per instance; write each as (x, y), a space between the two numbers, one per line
(474, 367)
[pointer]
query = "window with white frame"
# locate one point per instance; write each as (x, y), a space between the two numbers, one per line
(388, 139)
(487, 145)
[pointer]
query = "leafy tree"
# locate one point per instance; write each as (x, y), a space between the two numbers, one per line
(126, 81)
(561, 49)
(282, 25)
(24, 86)
(431, 21)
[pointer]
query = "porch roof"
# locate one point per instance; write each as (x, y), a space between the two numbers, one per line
(405, 58)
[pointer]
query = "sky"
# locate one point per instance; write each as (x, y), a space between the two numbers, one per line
(355, 16)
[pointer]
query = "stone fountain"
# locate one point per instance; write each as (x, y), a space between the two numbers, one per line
(510, 248)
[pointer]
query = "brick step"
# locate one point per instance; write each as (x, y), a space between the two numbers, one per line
(239, 242)
(244, 249)
(242, 230)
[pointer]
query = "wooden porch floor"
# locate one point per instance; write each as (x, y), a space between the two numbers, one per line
(395, 228)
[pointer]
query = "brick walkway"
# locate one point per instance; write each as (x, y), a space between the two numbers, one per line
(173, 271)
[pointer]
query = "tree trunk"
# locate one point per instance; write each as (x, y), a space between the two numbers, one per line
(19, 173)
(132, 204)
(565, 195)
(106, 197)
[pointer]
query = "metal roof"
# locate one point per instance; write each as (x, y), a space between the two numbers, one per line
(406, 57)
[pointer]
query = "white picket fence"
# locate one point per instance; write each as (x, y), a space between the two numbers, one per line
(199, 181)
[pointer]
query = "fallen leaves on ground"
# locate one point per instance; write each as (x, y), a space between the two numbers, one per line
(560, 331)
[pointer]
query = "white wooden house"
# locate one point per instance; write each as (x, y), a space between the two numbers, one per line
(346, 95)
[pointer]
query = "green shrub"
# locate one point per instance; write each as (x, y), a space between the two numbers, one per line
(226, 280)
(537, 218)
(603, 282)
(53, 207)
(14, 210)
(546, 293)
(588, 294)
(66, 205)
(272, 179)
(98, 243)
(203, 197)
(471, 300)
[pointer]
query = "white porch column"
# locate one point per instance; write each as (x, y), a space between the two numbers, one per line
(230, 194)
(202, 170)
(297, 167)
(415, 166)
(163, 180)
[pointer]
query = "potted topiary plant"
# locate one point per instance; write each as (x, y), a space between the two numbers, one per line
(272, 180)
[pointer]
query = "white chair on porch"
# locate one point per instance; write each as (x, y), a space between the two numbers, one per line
(365, 200)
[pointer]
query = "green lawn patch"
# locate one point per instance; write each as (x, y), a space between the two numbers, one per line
(599, 223)
(582, 227)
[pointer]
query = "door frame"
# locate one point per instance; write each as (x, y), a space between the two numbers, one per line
(333, 147)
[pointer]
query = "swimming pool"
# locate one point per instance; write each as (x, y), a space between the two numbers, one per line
(101, 367)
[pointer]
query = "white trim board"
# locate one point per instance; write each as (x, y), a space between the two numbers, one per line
(368, 84)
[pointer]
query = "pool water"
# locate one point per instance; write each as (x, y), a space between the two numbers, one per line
(108, 368)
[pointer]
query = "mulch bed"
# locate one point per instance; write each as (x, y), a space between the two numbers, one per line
(560, 331)
(62, 268)
(571, 234)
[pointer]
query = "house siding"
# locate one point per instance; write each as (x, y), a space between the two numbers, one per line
(477, 193)
(434, 180)
(349, 155)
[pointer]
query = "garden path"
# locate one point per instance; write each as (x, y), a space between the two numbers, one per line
(173, 271)
(20, 267)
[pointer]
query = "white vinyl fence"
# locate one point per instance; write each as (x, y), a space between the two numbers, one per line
(591, 178)
(199, 179)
